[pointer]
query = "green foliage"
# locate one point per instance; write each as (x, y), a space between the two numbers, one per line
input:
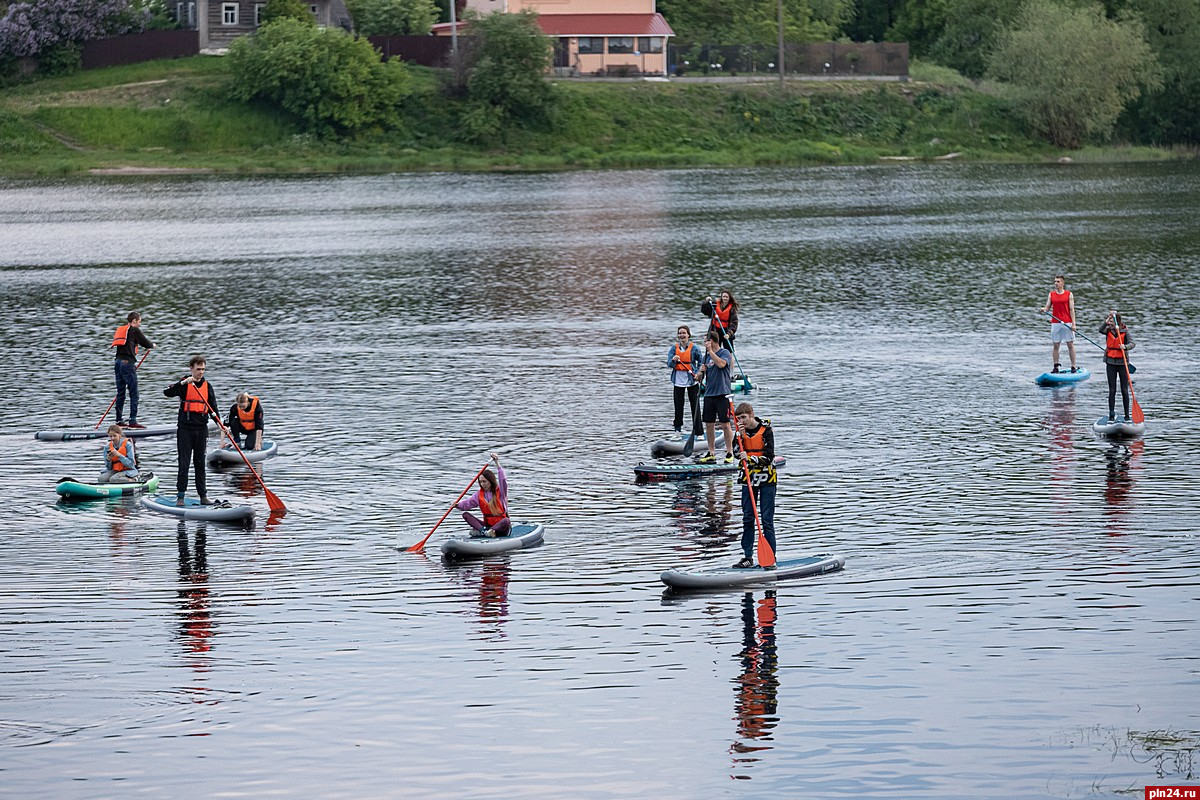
(920, 23)
(1170, 114)
(287, 9)
(969, 33)
(60, 59)
(1071, 70)
(331, 81)
(755, 21)
(393, 17)
(506, 84)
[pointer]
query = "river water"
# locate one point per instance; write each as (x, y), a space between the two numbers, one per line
(1018, 612)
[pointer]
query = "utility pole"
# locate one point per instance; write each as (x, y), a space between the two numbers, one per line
(454, 27)
(780, 20)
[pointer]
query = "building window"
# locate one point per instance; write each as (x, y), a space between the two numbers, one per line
(313, 9)
(191, 15)
(650, 44)
(591, 44)
(258, 11)
(229, 13)
(620, 44)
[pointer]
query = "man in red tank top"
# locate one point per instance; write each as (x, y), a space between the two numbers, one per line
(1061, 305)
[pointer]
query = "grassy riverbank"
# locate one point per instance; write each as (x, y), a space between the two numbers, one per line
(172, 115)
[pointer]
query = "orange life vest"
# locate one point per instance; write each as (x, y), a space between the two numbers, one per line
(246, 416)
(683, 357)
(113, 452)
(752, 443)
(722, 315)
(195, 399)
(121, 337)
(1114, 342)
(493, 510)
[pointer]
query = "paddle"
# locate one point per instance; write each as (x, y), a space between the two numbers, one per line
(1137, 416)
(419, 546)
(1086, 339)
(690, 444)
(746, 385)
(114, 400)
(766, 556)
(274, 503)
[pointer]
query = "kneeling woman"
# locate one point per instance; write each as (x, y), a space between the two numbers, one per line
(120, 459)
(491, 500)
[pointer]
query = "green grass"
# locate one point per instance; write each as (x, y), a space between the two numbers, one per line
(174, 114)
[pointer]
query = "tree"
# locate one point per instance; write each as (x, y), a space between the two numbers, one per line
(287, 9)
(969, 33)
(333, 82)
(1071, 71)
(1172, 113)
(506, 84)
(755, 21)
(920, 23)
(393, 17)
(33, 28)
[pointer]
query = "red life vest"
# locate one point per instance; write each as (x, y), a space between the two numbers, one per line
(683, 358)
(493, 510)
(722, 316)
(1060, 306)
(113, 452)
(246, 416)
(1114, 342)
(121, 337)
(195, 399)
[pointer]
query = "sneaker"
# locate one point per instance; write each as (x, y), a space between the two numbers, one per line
(745, 563)
(1055, 370)
(1074, 370)
(729, 459)
(488, 532)
(707, 458)
(204, 501)
(135, 425)
(122, 423)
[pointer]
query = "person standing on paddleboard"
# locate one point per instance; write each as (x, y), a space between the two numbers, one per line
(197, 402)
(126, 341)
(758, 443)
(684, 359)
(246, 418)
(722, 316)
(492, 500)
(717, 372)
(1061, 305)
(1118, 342)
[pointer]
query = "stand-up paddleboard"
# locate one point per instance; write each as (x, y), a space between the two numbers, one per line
(227, 455)
(1120, 428)
(670, 472)
(723, 576)
(526, 534)
(70, 435)
(221, 511)
(71, 489)
(673, 446)
(1063, 378)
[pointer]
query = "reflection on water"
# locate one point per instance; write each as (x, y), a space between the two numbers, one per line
(757, 686)
(1121, 467)
(195, 613)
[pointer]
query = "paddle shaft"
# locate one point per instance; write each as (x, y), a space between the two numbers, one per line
(274, 503)
(114, 400)
(1137, 415)
(763, 547)
(419, 546)
(746, 387)
(1086, 339)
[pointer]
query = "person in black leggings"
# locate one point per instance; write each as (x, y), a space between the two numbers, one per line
(1118, 342)
(196, 403)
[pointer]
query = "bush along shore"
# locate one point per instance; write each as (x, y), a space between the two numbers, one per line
(177, 115)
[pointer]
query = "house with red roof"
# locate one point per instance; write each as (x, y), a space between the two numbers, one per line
(593, 37)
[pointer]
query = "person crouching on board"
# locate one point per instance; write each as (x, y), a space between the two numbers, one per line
(196, 403)
(246, 419)
(758, 442)
(120, 459)
(1118, 342)
(492, 500)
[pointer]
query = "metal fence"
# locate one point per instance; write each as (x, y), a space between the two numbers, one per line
(428, 51)
(138, 47)
(820, 58)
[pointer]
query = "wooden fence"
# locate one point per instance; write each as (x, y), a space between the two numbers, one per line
(138, 47)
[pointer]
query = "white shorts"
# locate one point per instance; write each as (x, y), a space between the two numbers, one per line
(1061, 332)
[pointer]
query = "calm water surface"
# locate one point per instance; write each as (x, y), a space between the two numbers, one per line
(1019, 609)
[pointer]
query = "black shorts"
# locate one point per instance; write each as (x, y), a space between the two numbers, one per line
(716, 408)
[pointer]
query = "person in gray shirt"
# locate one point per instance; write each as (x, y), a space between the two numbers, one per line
(717, 372)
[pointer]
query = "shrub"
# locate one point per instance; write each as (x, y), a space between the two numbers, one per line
(333, 82)
(31, 28)
(393, 17)
(288, 9)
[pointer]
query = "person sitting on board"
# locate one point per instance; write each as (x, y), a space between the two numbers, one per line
(492, 500)
(246, 418)
(722, 316)
(196, 403)
(120, 458)
(1118, 342)
(1061, 305)
(717, 372)
(758, 452)
(684, 359)
(126, 341)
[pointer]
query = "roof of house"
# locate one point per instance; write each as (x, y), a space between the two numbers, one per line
(595, 25)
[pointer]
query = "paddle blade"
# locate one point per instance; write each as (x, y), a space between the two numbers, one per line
(274, 503)
(690, 444)
(766, 555)
(1137, 415)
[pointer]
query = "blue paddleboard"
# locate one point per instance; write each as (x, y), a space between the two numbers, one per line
(1063, 378)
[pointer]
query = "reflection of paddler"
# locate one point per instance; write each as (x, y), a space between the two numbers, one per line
(758, 685)
(1117, 480)
(195, 615)
(493, 591)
